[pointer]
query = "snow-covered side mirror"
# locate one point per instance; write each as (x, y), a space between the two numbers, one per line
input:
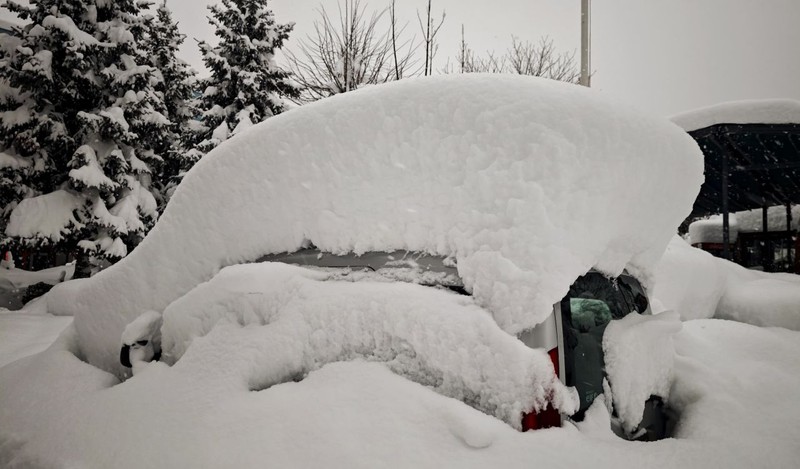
(141, 340)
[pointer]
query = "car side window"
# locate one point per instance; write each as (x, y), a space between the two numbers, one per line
(634, 293)
(592, 303)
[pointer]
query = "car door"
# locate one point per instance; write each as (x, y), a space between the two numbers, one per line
(593, 301)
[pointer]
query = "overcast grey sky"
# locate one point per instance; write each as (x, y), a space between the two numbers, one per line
(665, 56)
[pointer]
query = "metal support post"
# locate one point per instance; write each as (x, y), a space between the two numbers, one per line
(586, 42)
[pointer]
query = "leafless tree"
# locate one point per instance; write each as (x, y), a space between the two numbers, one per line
(350, 51)
(542, 60)
(469, 62)
(429, 31)
(525, 58)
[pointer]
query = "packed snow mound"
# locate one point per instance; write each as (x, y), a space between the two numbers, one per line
(527, 183)
(754, 111)
(640, 357)
(269, 323)
(698, 285)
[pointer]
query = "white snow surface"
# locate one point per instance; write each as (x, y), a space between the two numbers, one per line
(527, 183)
(735, 390)
(148, 326)
(23, 334)
(263, 324)
(46, 216)
(639, 358)
(709, 230)
(14, 278)
(766, 111)
(699, 285)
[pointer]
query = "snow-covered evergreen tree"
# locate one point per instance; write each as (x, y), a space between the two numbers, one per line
(86, 126)
(246, 86)
(177, 88)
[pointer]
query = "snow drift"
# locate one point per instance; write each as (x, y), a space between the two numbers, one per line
(526, 183)
(698, 285)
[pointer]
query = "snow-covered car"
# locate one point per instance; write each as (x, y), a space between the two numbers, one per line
(572, 335)
(513, 182)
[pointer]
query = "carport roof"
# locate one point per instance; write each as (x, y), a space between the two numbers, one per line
(758, 142)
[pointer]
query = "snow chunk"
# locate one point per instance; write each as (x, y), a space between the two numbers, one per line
(221, 133)
(146, 326)
(106, 218)
(65, 24)
(117, 116)
(41, 62)
(19, 116)
(640, 356)
(9, 159)
(243, 119)
(517, 178)
(90, 173)
(768, 111)
(270, 322)
(46, 216)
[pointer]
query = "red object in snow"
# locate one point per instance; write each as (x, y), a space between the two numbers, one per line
(549, 417)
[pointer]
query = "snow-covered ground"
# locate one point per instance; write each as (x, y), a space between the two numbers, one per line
(736, 388)
(23, 334)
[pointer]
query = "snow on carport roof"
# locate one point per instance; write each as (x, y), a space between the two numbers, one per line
(526, 183)
(752, 148)
(754, 111)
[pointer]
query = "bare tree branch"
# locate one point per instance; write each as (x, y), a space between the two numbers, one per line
(525, 58)
(351, 51)
(429, 31)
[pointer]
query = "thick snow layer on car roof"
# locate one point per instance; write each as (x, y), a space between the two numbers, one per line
(767, 111)
(527, 183)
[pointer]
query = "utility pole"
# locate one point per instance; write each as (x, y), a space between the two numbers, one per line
(586, 42)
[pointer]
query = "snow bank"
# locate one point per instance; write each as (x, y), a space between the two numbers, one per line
(735, 388)
(527, 183)
(768, 111)
(639, 356)
(268, 323)
(697, 285)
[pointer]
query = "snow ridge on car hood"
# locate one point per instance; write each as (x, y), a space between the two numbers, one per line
(527, 183)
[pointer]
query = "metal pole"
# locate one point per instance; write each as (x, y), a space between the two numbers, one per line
(766, 245)
(789, 237)
(726, 227)
(586, 42)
